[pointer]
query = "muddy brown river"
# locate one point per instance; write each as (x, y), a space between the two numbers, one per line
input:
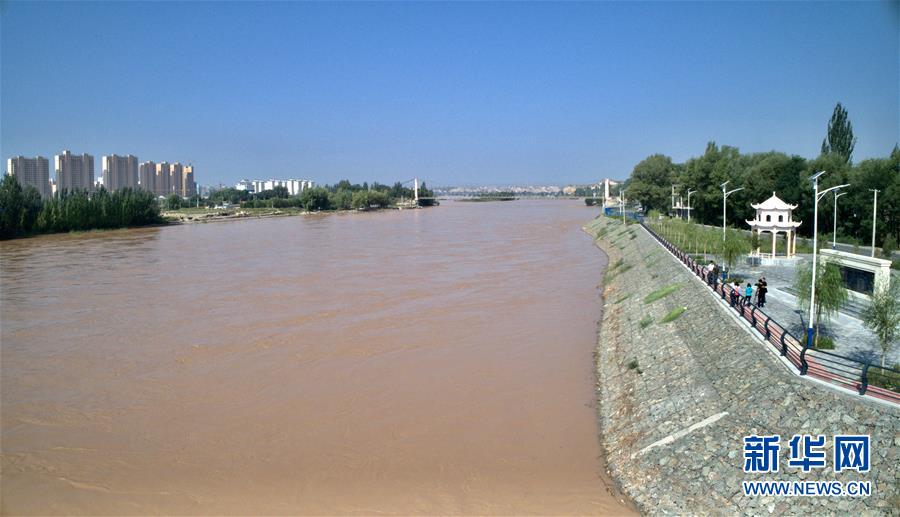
(420, 361)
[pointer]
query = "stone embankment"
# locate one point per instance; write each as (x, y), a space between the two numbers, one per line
(681, 382)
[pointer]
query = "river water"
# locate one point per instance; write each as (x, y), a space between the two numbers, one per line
(417, 361)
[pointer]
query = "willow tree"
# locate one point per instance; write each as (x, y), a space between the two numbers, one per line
(733, 247)
(831, 294)
(882, 315)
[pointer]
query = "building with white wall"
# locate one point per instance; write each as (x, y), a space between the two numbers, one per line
(293, 186)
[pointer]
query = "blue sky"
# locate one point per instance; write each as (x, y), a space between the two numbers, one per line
(455, 93)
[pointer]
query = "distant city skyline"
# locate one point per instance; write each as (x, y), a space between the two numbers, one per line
(454, 93)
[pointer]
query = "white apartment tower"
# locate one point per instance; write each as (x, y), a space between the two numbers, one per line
(31, 171)
(74, 172)
(120, 172)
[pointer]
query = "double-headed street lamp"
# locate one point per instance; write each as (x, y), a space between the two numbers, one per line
(834, 239)
(725, 204)
(812, 295)
(874, 214)
(689, 203)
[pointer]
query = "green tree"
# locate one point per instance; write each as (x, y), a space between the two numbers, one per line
(315, 198)
(11, 206)
(733, 247)
(882, 315)
(341, 200)
(173, 202)
(831, 294)
(888, 247)
(839, 139)
(650, 182)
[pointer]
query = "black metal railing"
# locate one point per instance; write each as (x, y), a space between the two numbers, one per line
(839, 370)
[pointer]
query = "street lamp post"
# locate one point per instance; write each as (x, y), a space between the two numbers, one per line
(812, 295)
(834, 239)
(874, 213)
(725, 204)
(673, 200)
(689, 203)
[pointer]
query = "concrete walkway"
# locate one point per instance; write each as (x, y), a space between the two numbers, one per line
(851, 338)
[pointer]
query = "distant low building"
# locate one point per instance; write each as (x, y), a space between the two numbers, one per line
(293, 186)
(31, 171)
(245, 185)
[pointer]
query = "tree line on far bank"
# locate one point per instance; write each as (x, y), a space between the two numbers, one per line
(24, 212)
(340, 196)
(762, 173)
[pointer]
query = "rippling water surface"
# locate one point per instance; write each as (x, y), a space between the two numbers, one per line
(426, 361)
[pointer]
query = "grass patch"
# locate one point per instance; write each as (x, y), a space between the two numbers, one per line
(607, 278)
(633, 365)
(618, 263)
(662, 292)
(825, 343)
(673, 315)
(884, 378)
(623, 298)
(645, 321)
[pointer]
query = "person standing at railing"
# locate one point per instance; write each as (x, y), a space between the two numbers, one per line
(761, 288)
(735, 293)
(748, 294)
(711, 272)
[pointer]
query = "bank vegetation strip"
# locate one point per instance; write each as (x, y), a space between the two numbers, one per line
(662, 387)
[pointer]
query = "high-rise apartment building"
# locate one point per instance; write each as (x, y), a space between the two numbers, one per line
(120, 172)
(74, 171)
(147, 176)
(176, 178)
(31, 171)
(162, 183)
(188, 186)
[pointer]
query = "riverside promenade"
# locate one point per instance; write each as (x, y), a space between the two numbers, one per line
(677, 397)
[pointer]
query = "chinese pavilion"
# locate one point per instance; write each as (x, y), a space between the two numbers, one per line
(774, 216)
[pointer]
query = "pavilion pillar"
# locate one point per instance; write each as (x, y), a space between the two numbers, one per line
(774, 236)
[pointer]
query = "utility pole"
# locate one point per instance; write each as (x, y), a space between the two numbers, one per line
(874, 218)
(673, 199)
(834, 238)
(689, 203)
(812, 295)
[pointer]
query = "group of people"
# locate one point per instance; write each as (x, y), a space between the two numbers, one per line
(743, 296)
